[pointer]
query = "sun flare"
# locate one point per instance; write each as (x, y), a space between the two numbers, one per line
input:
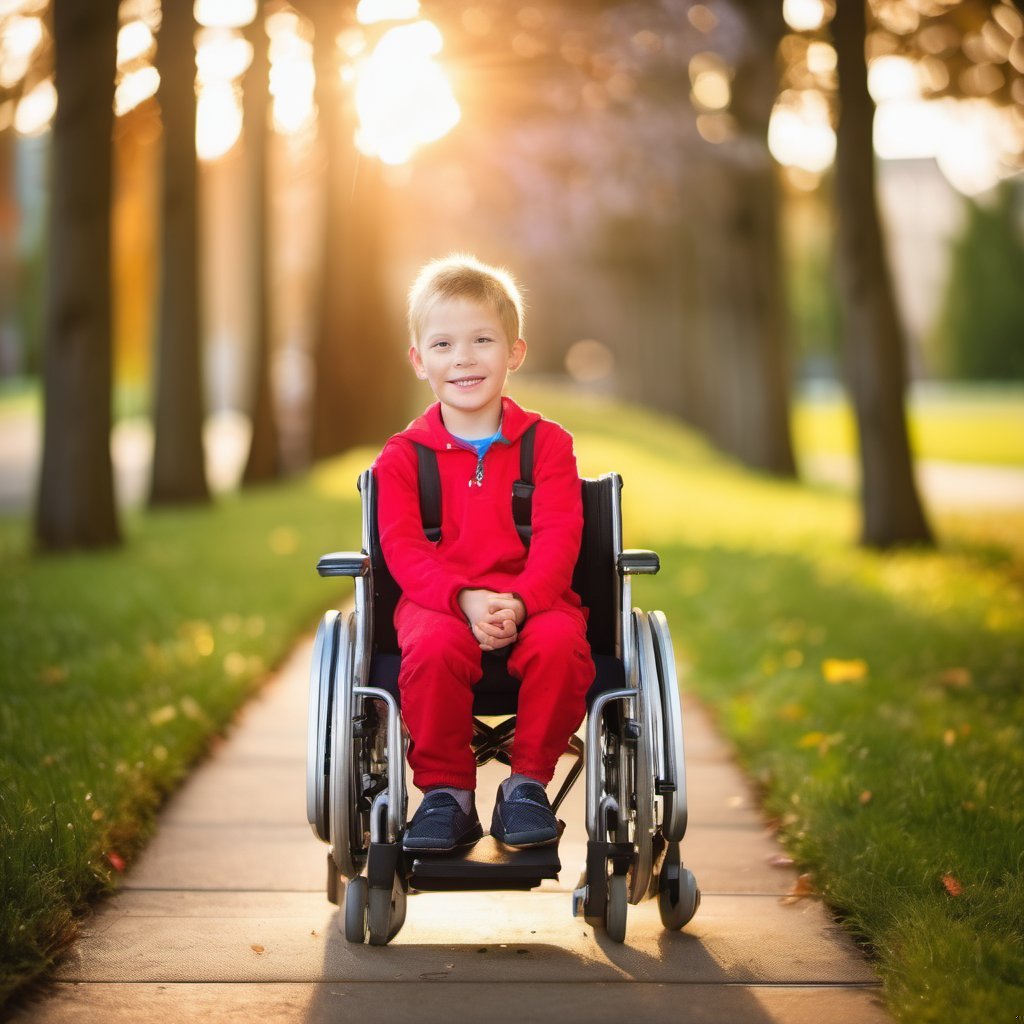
(402, 96)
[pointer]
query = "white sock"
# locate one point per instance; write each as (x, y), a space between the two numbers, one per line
(516, 779)
(463, 796)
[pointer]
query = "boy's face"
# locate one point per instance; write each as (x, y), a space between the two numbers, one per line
(465, 357)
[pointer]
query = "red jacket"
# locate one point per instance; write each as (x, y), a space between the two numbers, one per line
(479, 546)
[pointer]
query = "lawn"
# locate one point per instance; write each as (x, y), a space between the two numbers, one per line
(874, 698)
(119, 667)
(962, 423)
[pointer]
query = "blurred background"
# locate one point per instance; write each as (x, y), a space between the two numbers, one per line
(661, 175)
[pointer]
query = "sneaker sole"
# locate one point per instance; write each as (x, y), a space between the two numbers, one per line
(459, 845)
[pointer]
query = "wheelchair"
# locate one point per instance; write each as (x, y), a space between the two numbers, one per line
(632, 756)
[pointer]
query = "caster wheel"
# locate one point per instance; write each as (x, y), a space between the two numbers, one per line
(615, 910)
(676, 914)
(355, 910)
(385, 914)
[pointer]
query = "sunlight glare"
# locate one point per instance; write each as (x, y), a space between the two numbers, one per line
(36, 109)
(893, 78)
(221, 55)
(292, 77)
(135, 87)
(224, 13)
(218, 120)
(803, 15)
(18, 43)
(800, 133)
(371, 11)
(134, 41)
(402, 95)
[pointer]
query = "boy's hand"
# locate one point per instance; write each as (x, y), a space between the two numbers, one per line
(491, 617)
(509, 602)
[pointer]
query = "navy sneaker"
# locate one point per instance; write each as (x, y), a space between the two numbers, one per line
(525, 818)
(440, 825)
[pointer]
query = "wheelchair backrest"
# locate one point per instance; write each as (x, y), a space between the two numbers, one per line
(595, 577)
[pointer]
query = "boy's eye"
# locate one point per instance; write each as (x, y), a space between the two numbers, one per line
(439, 344)
(484, 338)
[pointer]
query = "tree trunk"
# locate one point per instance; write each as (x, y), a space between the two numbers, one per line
(743, 336)
(873, 339)
(178, 463)
(76, 493)
(359, 347)
(264, 461)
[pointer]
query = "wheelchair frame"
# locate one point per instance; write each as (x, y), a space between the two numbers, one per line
(356, 797)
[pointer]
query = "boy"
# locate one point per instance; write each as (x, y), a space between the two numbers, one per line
(479, 588)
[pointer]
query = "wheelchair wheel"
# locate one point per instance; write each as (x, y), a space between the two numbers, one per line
(644, 763)
(350, 743)
(355, 910)
(616, 908)
(318, 736)
(673, 822)
(677, 910)
(385, 914)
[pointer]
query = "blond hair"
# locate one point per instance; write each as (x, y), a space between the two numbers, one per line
(463, 276)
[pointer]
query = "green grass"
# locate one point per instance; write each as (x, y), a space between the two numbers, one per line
(904, 770)
(118, 667)
(957, 424)
(875, 699)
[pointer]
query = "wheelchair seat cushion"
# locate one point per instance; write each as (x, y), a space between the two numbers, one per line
(497, 693)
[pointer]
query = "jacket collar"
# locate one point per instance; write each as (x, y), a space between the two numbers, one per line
(429, 429)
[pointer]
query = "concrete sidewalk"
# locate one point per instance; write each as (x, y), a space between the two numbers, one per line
(224, 918)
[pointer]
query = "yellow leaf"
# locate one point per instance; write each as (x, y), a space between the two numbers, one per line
(256, 948)
(949, 737)
(865, 797)
(811, 739)
(844, 670)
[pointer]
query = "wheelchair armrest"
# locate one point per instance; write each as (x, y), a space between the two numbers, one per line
(344, 563)
(635, 562)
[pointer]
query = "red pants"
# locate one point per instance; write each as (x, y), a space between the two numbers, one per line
(440, 666)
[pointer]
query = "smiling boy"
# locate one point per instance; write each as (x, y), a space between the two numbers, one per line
(480, 588)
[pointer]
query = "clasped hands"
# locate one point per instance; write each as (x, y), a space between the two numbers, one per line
(494, 618)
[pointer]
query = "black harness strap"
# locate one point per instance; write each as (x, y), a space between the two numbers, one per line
(522, 490)
(430, 491)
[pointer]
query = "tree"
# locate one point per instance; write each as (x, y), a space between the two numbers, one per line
(873, 340)
(178, 464)
(737, 215)
(264, 462)
(981, 329)
(358, 374)
(75, 505)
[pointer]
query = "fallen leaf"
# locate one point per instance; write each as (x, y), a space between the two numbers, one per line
(865, 797)
(949, 737)
(116, 860)
(780, 860)
(802, 888)
(844, 670)
(957, 678)
(257, 949)
(952, 885)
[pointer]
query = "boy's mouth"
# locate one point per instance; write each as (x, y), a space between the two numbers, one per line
(465, 382)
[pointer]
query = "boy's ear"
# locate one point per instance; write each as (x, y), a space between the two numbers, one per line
(417, 362)
(517, 355)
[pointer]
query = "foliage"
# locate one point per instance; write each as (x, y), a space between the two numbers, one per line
(981, 329)
(874, 697)
(118, 669)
